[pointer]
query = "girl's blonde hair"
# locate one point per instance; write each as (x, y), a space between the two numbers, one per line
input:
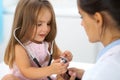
(25, 18)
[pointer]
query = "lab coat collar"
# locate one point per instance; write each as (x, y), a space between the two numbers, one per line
(105, 49)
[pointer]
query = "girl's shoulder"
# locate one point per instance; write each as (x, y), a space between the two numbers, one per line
(20, 52)
(19, 48)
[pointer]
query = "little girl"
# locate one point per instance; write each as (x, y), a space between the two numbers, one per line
(32, 44)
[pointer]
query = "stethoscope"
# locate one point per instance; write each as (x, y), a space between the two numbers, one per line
(30, 54)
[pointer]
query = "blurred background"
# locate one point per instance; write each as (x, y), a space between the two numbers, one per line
(70, 36)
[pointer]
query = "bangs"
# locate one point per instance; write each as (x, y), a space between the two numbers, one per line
(30, 17)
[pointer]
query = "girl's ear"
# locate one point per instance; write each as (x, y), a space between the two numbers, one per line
(99, 19)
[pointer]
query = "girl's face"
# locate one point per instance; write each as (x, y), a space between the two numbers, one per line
(43, 25)
(90, 25)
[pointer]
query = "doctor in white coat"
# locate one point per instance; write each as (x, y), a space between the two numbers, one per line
(101, 21)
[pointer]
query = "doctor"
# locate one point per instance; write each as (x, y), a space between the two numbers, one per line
(101, 21)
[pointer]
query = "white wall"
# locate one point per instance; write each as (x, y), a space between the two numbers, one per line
(71, 36)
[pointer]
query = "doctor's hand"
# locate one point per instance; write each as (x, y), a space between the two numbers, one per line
(67, 54)
(73, 76)
(63, 77)
(75, 72)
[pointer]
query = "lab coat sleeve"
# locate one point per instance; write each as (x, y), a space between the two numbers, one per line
(108, 69)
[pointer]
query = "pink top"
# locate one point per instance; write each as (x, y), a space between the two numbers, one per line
(39, 51)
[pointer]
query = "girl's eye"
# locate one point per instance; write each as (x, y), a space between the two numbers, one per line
(48, 23)
(39, 24)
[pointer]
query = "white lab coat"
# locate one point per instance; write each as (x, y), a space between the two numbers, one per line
(107, 67)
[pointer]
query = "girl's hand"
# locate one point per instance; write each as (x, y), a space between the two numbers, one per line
(58, 68)
(67, 54)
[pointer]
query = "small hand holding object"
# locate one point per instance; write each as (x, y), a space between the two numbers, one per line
(57, 67)
(63, 59)
(66, 75)
(68, 55)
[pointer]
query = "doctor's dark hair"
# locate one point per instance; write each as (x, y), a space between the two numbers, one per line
(25, 17)
(112, 7)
